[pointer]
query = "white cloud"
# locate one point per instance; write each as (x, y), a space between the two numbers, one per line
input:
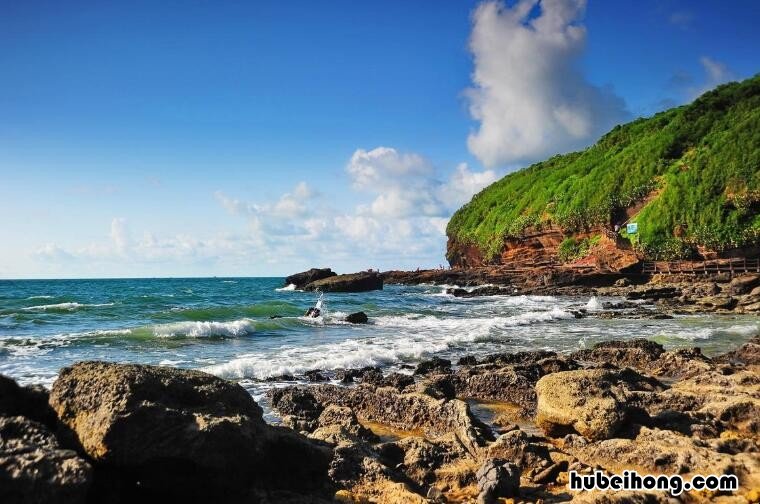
(463, 183)
(404, 206)
(383, 166)
(717, 72)
(528, 94)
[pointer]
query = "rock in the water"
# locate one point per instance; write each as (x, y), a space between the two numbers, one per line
(496, 479)
(591, 402)
(485, 290)
(180, 432)
(356, 282)
(748, 353)
(35, 470)
(30, 402)
(357, 318)
(434, 365)
(301, 280)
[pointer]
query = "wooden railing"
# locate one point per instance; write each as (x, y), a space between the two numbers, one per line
(731, 266)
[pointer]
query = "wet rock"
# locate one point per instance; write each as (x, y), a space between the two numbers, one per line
(181, 432)
(654, 293)
(486, 290)
(357, 318)
(593, 403)
(349, 375)
(398, 381)
(35, 470)
(315, 375)
(356, 282)
(467, 360)
(30, 402)
(434, 365)
(281, 378)
(301, 280)
(529, 357)
(748, 353)
(497, 479)
(297, 406)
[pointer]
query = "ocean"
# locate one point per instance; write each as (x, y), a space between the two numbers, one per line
(224, 326)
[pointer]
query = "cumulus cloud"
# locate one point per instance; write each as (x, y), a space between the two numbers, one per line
(383, 166)
(528, 94)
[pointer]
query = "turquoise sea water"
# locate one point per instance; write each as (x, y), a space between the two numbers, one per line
(223, 325)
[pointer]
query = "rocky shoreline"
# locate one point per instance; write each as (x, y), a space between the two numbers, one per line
(671, 294)
(505, 426)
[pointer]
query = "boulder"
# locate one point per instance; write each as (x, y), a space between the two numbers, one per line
(748, 353)
(356, 282)
(180, 432)
(412, 412)
(35, 470)
(591, 402)
(30, 402)
(301, 280)
(743, 284)
(357, 318)
(497, 479)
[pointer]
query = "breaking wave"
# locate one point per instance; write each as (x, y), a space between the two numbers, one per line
(71, 306)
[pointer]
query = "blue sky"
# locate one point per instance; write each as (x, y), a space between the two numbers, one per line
(259, 138)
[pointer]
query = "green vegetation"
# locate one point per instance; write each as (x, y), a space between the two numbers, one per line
(699, 164)
(571, 249)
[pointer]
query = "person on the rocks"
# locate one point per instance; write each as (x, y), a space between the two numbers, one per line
(316, 310)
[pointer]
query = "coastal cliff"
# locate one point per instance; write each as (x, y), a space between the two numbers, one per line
(689, 177)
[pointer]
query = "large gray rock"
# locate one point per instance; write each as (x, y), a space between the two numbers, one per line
(300, 280)
(35, 470)
(180, 431)
(595, 403)
(356, 282)
(30, 402)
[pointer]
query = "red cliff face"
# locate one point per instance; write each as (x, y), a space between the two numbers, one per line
(540, 247)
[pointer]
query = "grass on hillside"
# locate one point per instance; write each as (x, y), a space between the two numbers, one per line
(703, 157)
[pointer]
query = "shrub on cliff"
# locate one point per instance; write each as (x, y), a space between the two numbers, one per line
(697, 167)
